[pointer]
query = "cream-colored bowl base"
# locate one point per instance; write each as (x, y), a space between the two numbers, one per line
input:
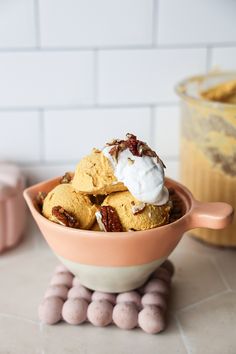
(112, 279)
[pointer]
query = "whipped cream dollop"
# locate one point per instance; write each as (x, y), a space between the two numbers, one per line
(142, 175)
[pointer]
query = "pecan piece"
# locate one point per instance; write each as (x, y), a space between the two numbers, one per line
(130, 161)
(119, 146)
(114, 152)
(136, 147)
(66, 178)
(139, 148)
(133, 144)
(110, 219)
(114, 142)
(64, 218)
(177, 209)
(40, 197)
(137, 208)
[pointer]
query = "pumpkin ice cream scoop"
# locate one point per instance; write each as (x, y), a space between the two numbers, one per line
(66, 206)
(135, 215)
(94, 175)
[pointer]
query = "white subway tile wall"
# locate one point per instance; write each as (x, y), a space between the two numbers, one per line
(17, 24)
(85, 129)
(146, 76)
(20, 138)
(45, 79)
(196, 21)
(91, 23)
(166, 131)
(224, 58)
(74, 73)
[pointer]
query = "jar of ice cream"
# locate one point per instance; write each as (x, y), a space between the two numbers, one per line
(208, 144)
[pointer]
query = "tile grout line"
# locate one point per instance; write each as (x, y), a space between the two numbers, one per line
(7, 315)
(96, 77)
(86, 106)
(42, 135)
(180, 46)
(40, 326)
(192, 306)
(152, 126)
(220, 273)
(182, 334)
(37, 24)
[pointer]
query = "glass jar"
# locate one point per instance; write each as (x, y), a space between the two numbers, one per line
(208, 148)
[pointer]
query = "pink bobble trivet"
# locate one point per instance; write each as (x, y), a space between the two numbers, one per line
(67, 299)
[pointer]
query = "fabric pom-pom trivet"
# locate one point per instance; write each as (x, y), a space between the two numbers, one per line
(66, 299)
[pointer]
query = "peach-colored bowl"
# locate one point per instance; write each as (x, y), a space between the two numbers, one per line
(121, 261)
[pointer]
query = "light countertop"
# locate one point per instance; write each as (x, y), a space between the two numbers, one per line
(202, 315)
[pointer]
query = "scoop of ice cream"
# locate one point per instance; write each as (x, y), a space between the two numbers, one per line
(135, 215)
(139, 168)
(94, 175)
(76, 204)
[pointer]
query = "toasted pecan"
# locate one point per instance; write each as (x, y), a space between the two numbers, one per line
(66, 178)
(110, 219)
(64, 217)
(40, 197)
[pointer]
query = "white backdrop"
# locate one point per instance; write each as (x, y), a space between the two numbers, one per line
(76, 73)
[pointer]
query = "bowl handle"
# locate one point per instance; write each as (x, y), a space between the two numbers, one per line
(210, 215)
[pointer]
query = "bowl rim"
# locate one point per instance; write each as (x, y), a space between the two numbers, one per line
(180, 90)
(186, 197)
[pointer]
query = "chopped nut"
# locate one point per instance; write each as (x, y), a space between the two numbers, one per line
(136, 147)
(64, 218)
(133, 144)
(137, 208)
(97, 199)
(110, 220)
(66, 178)
(114, 142)
(114, 152)
(40, 199)
(99, 221)
(177, 207)
(130, 161)
(117, 148)
(96, 151)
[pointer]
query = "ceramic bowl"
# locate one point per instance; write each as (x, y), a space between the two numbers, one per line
(121, 261)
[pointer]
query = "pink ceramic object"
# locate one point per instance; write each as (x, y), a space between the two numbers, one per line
(121, 261)
(12, 206)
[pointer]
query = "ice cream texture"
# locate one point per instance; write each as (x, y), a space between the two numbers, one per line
(73, 202)
(135, 215)
(94, 175)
